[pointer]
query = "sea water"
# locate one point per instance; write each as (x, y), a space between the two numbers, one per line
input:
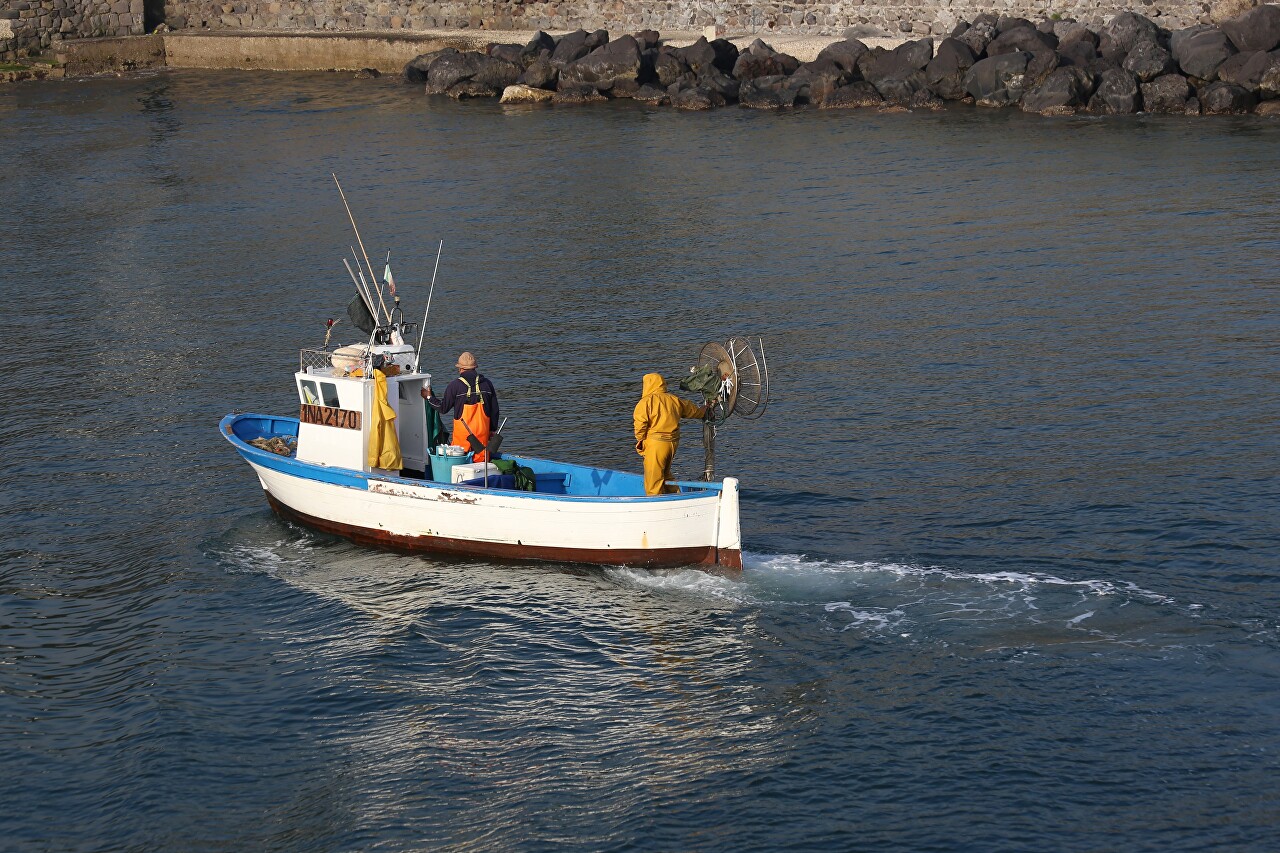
(1011, 520)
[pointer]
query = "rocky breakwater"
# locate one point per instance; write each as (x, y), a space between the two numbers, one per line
(1129, 65)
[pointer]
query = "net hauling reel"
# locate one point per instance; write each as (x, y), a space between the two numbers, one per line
(733, 379)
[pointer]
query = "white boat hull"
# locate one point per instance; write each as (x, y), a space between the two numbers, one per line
(695, 528)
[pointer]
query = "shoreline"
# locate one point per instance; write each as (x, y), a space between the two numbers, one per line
(1054, 67)
(386, 51)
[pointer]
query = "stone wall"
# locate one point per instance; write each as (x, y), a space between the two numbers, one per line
(893, 17)
(27, 26)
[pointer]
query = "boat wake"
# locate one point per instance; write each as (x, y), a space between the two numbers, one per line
(875, 601)
(901, 602)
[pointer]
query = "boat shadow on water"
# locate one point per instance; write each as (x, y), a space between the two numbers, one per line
(1001, 613)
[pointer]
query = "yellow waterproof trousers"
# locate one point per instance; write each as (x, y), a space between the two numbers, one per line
(657, 465)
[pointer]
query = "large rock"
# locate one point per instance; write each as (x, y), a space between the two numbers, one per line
(1270, 109)
(581, 93)
(1069, 31)
(1220, 99)
(1167, 94)
(979, 34)
(622, 88)
(760, 60)
(1269, 82)
(496, 73)
(766, 93)
(1257, 29)
(540, 74)
(702, 56)
(814, 80)
(1008, 22)
(1246, 69)
(449, 71)
(844, 53)
(726, 55)
(699, 56)
(415, 71)
(946, 71)
(998, 81)
(1064, 88)
(513, 53)
(859, 94)
(1044, 57)
(539, 43)
(525, 95)
(617, 60)
(472, 89)
(1028, 39)
(895, 79)
(926, 100)
(695, 98)
(723, 88)
(1200, 50)
(570, 48)
(651, 94)
(1119, 35)
(1147, 60)
(1117, 93)
(648, 39)
(1079, 52)
(915, 53)
(668, 67)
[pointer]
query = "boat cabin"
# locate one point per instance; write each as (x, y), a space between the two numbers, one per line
(335, 393)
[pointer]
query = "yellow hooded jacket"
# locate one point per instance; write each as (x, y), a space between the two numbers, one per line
(384, 446)
(658, 413)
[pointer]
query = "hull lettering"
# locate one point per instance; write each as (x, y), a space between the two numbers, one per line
(325, 416)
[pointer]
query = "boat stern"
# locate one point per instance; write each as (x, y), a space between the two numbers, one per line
(728, 550)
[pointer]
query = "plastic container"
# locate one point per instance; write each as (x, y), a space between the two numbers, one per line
(442, 466)
(471, 470)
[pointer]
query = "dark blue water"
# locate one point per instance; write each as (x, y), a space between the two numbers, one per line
(1012, 518)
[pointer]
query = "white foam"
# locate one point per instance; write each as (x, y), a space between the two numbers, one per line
(1078, 619)
(262, 558)
(683, 581)
(798, 564)
(878, 619)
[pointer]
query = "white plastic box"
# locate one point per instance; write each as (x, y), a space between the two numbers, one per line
(471, 470)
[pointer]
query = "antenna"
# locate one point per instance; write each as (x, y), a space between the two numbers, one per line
(423, 331)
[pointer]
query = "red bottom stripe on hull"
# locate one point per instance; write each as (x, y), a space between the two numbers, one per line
(713, 559)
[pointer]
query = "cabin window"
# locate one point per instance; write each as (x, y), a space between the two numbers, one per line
(330, 393)
(310, 393)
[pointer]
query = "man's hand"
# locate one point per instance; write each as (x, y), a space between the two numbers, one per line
(640, 447)
(426, 391)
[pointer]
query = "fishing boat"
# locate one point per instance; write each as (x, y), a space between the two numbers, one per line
(316, 468)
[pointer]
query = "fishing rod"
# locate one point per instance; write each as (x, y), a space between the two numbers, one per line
(360, 241)
(367, 292)
(363, 296)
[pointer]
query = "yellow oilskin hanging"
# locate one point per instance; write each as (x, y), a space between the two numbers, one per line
(384, 446)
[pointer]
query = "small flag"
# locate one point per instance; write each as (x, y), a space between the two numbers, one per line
(391, 282)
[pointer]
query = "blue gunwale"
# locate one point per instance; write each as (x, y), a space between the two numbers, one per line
(239, 428)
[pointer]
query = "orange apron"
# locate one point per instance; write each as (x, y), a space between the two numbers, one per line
(475, 417)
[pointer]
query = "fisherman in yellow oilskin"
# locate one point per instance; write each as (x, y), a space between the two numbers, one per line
(657, 420)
